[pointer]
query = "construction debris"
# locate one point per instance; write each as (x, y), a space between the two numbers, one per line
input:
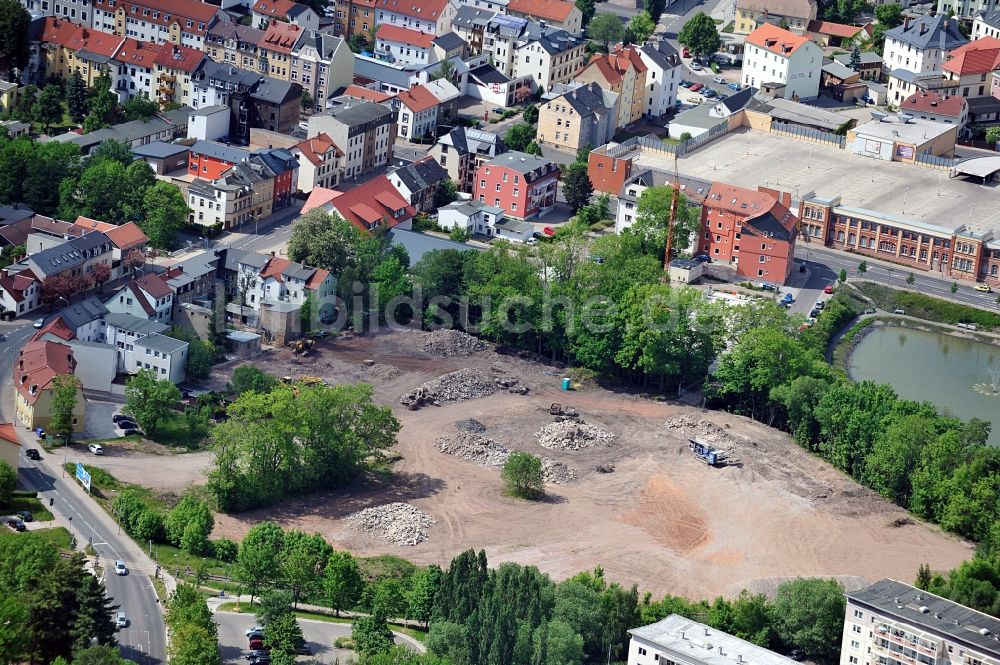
(474, 448)
(383, 372)
(471, 425)
(706, 432)
(573, 435)
(459, 386)
(395, 523)
(605, 468)
(556, 472)
(448, 343)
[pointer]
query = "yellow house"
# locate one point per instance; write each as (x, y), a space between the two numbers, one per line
(276, 49)
(796, 14)
(622, 71)
(8, 95)
(10, 447)
(37, 367)
(67, 47)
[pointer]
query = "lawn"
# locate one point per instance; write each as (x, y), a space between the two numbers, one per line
(58, 536)
(927, 307)
(175, 431)
(244, 608)
(27, 501)
(174, 559)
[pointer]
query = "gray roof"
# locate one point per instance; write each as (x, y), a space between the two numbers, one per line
(488, 74)
(694, 189)
(477, 141)
(983, 104)
(234, 257)
(324, 43)
(556, 41)
(472, 17)
(840, 70)
(926, 32)
(699, 116)
(662, 53)
(420, 175)
(931, 613)
(361, 113)
(161, 343)
(274, 91)
(298, 271)
(14, 213)
(738, 100)
(696, 642)
(588, 99)
(796, 8)
(867, 58)
(235, 30)
(198, 265)
(802, 114)
(127, 131)
(178, 116)
(513, 225)
(209, 69)
(134, 323)
(228, 153)
(471, 207)
(159, 150)
(991, 19)
(418, 244)
(81, 313)
(65, 256)
(520, 161)
(208, 110)
(381, 71)
(449, 41)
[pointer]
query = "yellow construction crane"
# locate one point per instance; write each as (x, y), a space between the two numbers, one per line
(674, 199)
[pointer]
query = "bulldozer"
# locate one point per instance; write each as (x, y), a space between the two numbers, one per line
(301, 346)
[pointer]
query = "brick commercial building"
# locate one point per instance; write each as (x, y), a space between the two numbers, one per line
(891, 623)
(753, 230)
(523, 185)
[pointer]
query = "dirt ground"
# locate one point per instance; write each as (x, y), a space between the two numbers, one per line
(661, 519)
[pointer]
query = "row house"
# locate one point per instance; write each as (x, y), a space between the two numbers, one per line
(209, 159)
(753, 230)
(371, 205)
(276, 49)
(431, 16)
(135, 67)
(955, 253)
(353, 17)
(323, 65)
(266, 12)
(60, 48)
(401, 45)
(585, 114)
(796, 14)
(234, 44)
(520, 47)
(623, 72)
(182, 22)
(175, 67)
(248, 190)
(75, 11)
(147, 297)
(320, 163)
(363, 130)
(418, 182)
(523, 185)
(969, 67)
(562, 14)
(417, 110)
(38, 365)
(463, 150)
(920, 46)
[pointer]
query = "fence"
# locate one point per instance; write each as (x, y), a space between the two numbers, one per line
(935, 161)
(643, 143)
(806, 134)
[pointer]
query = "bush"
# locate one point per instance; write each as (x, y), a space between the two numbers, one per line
(929, 308)
(522, 476)
(343, 643)
(225, 550)
(8, 480)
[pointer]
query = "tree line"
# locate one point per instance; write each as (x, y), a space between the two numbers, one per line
(108, 185)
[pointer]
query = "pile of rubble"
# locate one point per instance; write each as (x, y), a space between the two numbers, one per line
(573, 435)
(448, 343)
(459, 386)
(556, 472)
(395, 523)
(474, 448)
(383, 372)
(470, 425)
(708, 432)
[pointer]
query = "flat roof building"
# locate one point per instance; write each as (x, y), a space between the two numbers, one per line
(680, 641)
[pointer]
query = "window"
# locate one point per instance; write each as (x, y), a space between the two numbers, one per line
(482, 184)
(642, 651)
(856, 628)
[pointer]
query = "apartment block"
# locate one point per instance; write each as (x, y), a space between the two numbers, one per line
(784, 62)
(363, 130)
(523, 185)
(677, 640)
(175, 21)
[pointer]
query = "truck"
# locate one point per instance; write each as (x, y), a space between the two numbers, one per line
(706, 453)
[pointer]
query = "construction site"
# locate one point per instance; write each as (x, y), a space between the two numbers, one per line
(670, 497)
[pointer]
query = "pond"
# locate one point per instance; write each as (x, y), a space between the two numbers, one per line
(957, 375)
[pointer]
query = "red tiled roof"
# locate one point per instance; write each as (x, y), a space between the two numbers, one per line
(932, 102)
(319, 198)
(153, 285)
(127, 236)
(38, 364)
(313, 148)
(56, 31)
(368, 94)
(394, 33)
(16, 233)
(978, 57)
(602, 63)
(550, 10)
(430, 10)
(16, 284)
(281, 37)
(8, 433)
(94, 41)
(93, 224)
(317, 278)
(834, 29)
(50, 225)
(165, 12)
(418, 98)
(273, 8)
(56, 327)
(176, 56)
(137, 54)
(776, 40)
(375, 201)
(748, 203)
(274, 267)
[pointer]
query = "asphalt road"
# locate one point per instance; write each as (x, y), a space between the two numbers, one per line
(144, 639)
(829, 263)
(319, 634)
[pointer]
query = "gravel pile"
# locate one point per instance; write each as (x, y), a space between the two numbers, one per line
(573, 435)
(556, 472)
(396, 523)
(448, 343)
(474, 448)
(708, 432)
(383, 372)
(461, 385)
(471, 425)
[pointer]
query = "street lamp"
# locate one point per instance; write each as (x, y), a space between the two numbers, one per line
(970, 213)
(905, 192)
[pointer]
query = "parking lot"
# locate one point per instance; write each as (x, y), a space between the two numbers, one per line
(749, 159)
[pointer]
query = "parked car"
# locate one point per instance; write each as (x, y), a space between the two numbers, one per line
(695, 66)
(985, 288)
(702, 258)
(870, 310)
(708, 92)
(829, 289)
(120, 568)
(549, 231)
(498, 110)
(767, 287)
(259, 657)
(254, 630)
(820, 304)
(531, 241)
(96, 449)
(38, 323)
(257, 644)
(118, 417)
(133, 431)
(901, 312)
(718, 79)
(126, 423)
(121, 620)
(735, 86)
(686, 84)
(788, 299)
(26, 516)
(32, 453)
(813, 313)
(15, 524)
(303, 648)
(685, 53)
(696, 87)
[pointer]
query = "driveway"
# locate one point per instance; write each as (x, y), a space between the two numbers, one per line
(97, 421)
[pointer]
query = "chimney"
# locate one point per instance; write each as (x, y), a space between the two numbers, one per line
(906, 24)
(923, 29)
(272, 254)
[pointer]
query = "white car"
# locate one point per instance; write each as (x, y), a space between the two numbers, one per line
(695, 66)
(121, 621)
(254, 630)
(120, 568)
(718, 79)
(38, 323)
(96, 449)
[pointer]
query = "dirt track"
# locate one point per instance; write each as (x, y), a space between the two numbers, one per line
(662, 519)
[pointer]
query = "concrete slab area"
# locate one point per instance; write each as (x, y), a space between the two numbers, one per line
(750, 159)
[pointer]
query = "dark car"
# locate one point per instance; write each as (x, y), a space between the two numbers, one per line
(257, 644)
(702, 258)
(132, 431)
(708, 92)
(303, 649)
(259, 657)
(796, 654)
(118, 417)
(26, 516)
(814, 312)
(257, 634)
(16, 524)
(32, 453)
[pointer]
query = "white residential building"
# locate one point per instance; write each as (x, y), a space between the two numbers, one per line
(175, 21)
(417, 109)
(147, 297)
(481, 219)
(663, 77)
(363, 130)
(135, 69)
(921, 45)
(986, 24)
(166, 356)
(787, 64)
(677, 640)
(404, 46)
(122, 331)
(75, 11)
(320, 163)
(431, 16)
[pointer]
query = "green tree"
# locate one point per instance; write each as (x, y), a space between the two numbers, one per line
(325, 240)
(862, 267)
(954, 287)
(8, 481)
(889, 15)
(556, 643)
(140, 107)
(700, 35)
(201, 357)
(446, 193)
(446, 70)
(187, 606)
(98, 655)
(14, 37)
(283, 635)
(371, 635)
(519, 136)
(76, 97)
(808, 614)
(533, 149)
(642, 26)
(165, 213)
(655, 8)
(522, 476)
(606, 28)
(587, 9)
(342, 582)
(48, 107)
(856, 59)
(274, 605)
(248, 378)
(842, 275)
(924, 577)
(420, 597)
(450, 641)
(92, 620)
(64, 396)
(653, 216)
(258, 562)
(894, 456)
(188, 525)
(910, 279)
(530, 114)
(303, 559)
(577, 187)
(307, 102)
(191, 644)
(102, 105)
(149, 400)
